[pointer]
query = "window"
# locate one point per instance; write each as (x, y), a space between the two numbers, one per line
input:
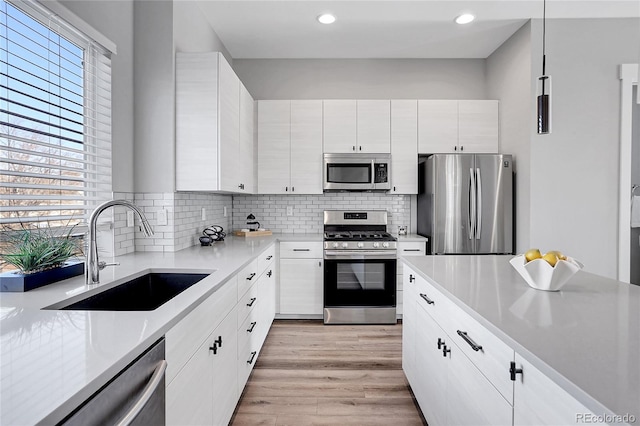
(55, 119)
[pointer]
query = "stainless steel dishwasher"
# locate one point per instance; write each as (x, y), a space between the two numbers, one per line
(136, 396)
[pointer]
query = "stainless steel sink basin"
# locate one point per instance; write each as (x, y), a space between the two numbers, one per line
(144, 293)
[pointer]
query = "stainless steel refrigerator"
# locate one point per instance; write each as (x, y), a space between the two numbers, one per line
(465, 203)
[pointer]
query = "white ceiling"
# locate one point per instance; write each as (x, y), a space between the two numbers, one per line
(385, 29)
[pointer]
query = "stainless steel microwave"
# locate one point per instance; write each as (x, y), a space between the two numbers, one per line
(357, 172)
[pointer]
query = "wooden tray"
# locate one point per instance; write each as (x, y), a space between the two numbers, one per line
(252, 233)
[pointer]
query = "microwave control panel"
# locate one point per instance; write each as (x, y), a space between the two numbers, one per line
(381, 173)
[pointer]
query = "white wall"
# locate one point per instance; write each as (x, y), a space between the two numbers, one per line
(363, 78)
(114, 19)
(509, 79)
(574, 170)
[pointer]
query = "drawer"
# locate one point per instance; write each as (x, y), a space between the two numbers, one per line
(487, 352)
(247, 303)
(248, 330)
(432, 301)
(247, 357)
(186, 336)
(412, 248)
(301, 250)
(246, 277)
(266, 258)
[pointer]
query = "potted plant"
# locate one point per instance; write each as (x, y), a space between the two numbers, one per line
(41, 256)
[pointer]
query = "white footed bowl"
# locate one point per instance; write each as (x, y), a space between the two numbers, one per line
(542, 276)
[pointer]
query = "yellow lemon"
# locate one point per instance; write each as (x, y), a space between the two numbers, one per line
(532, 254)
(551, 258)
(558, 254)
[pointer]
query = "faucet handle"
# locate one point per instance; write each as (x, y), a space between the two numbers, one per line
(102, 264)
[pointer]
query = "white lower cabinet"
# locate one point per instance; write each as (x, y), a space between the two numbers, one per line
(301, 278)
(406, 248)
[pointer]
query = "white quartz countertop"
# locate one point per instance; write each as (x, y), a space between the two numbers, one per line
(52, 360)
(585, 337)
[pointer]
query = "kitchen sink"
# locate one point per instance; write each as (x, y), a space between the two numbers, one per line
(144, 293)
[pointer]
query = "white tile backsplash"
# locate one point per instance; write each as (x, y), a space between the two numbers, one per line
(271, 210)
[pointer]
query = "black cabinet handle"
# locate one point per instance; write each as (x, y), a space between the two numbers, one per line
(411, 250)
(241, 186)
(269, 257)
(469, 340)
(253, 299)
(286, 188)
(455, 148)
(429, 301)
(216, 344)
(461, 148)
(293, 189)
(218, 341)
(411, 278)
(250, 277)
(445, 351)
(440, 343)
(250, 329)
(360, 148)
(301, 249)
(513, 371)
(354, 148)
(253, 355)
(269, 273)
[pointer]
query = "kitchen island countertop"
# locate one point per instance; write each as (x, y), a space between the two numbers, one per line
(52, 360)
(586, 337)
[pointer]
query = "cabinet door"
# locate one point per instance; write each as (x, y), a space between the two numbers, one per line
(245, 155)
(431, 369)
(539, 401)
(339, 126)
(478, 126)
(409, 326)
(301, 286)
(374, 126)
(437, 126)
(225, 387)
(273, 146)
(404, 147)
(229, 131)
(306, 147)
(267, 301)
(472, 399)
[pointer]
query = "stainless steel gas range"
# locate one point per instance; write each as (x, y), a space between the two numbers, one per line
(359, 268)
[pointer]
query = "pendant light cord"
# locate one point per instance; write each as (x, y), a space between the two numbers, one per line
(544, 35)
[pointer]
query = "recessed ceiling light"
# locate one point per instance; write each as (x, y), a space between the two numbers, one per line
(465, 18)
(326, 18)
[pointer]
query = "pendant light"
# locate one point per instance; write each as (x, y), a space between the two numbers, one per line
(544, 84)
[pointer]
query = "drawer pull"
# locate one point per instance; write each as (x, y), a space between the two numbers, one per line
(250, 277)
(470, 341)
(216, 344)
(440, 343)
(253, 355)
(411, 250)
(269, 273)
(250, 304)
(445, 351)
(219, 341)
(301, 249)
(429, 301)
(513, 371)
(250, 329)
(411, 278)
(269, 257)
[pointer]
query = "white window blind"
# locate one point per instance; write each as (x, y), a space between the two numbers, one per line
(55, 119)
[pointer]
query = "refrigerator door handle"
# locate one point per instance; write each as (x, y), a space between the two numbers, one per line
(478, 203)
(472, 204)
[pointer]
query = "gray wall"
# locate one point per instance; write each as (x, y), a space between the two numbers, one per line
(363, 78)
(509, 79)
(574, 170)
(114, 19)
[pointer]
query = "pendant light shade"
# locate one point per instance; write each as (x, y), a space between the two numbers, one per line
(543, 98)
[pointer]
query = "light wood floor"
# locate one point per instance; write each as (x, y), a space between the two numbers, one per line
(311, 374)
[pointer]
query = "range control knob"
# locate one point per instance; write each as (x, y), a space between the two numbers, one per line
(345, 245)
(335, 245)
(385, 245)
(360, 245)
(376, 244)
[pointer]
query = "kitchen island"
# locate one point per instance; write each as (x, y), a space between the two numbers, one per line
(585, 338)
(53, 360)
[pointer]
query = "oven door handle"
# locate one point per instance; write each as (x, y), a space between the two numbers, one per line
(356, 254)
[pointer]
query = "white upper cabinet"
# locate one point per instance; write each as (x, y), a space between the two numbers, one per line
(352, 126)
(306, 147)
(339, 126)
(290, 147)
(451, 126)
(374, 126)
(211, 120)
(404, 147)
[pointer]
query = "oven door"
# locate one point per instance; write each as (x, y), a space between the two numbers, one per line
(359, 278)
